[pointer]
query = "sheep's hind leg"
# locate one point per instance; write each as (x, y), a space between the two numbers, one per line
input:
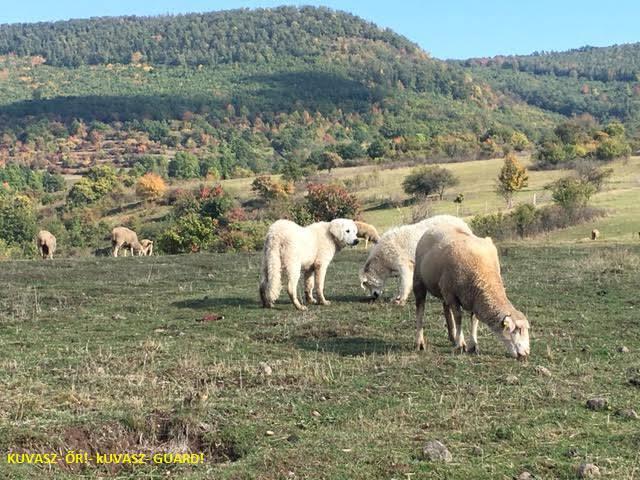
(473, 345)
(451, 325)
(460, 345)
(420, 292)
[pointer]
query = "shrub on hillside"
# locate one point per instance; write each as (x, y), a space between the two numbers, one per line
(571, 193)
(17, 220)
(325, 202)
(242, 236)
(527, 220)
(191, 233)
(151, 186)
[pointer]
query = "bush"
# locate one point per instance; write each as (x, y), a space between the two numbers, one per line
(571, 192)
(17, 220)
(151, 186)
(526, 221)
(268, 189)
(243, 236)
(214, 202)
(612, 148)
(327, 202)
(52, 182)
(423, 181)
(191, 233)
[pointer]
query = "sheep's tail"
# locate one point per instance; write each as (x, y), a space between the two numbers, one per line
(270, 282)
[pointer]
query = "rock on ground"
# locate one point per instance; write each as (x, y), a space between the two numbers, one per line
(588, 470)
(435, 451)
(597, 403)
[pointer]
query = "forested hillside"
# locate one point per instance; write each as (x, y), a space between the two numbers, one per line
(258, 90)
(603, 82)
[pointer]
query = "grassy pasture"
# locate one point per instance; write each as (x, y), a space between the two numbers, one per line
(108, 355)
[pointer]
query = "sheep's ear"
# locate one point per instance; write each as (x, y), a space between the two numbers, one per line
(508, 324)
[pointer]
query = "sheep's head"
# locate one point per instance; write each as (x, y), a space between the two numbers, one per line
(372, 278)
(515, 334)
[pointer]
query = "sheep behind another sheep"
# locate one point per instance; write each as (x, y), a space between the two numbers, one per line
(368, 232)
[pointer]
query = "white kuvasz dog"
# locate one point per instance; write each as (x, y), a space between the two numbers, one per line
(297, 249)
(394, 256)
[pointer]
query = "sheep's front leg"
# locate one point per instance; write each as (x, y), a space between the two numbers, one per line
(473, 345)
(406, 278)
(115, 250)
(451, 326)
(308, 286)
(461, 346)
(420, 292)
(293, 274)
(321, 272)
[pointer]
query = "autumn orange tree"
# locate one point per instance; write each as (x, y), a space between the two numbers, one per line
(513, 177)
(151, 186)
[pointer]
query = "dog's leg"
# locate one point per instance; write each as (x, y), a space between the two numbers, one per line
(293, 274)
(420, 292)
(321, 272)
(308, 286)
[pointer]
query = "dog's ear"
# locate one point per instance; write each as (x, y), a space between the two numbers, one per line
(335, 229)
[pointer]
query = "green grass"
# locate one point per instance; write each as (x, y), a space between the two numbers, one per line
(108, 355)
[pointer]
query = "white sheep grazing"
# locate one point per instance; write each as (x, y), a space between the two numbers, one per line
(464, 271)
(46, 243)
(595, 233)
(122, 237)
(394, 256)
(147, 247)
(368, 232)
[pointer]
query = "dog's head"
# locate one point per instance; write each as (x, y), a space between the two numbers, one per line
(344, 231)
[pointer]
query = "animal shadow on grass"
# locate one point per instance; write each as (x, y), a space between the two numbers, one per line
(206, 303)
(347, 346)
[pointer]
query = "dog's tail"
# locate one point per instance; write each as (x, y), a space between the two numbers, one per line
(270, 282)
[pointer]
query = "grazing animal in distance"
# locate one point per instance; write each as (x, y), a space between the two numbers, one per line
(122, 237)
(394, 256)
(297, 249)
(595, 233)
(464, 272)
(147, 247)
(368, 233)
(46, 243)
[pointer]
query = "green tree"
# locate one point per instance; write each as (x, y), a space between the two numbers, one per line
(17, 220)
(184, 165)
(329, 161)
(571, 192)
(427, 180)
(378, 148)
(513, 177)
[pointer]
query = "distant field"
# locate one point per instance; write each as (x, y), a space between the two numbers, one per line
(107, 355)
(477, 183)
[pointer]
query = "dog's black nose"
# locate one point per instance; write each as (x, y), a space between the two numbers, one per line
(355, 242)
(376, 294)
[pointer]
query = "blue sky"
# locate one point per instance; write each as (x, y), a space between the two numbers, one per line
(446, 28)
